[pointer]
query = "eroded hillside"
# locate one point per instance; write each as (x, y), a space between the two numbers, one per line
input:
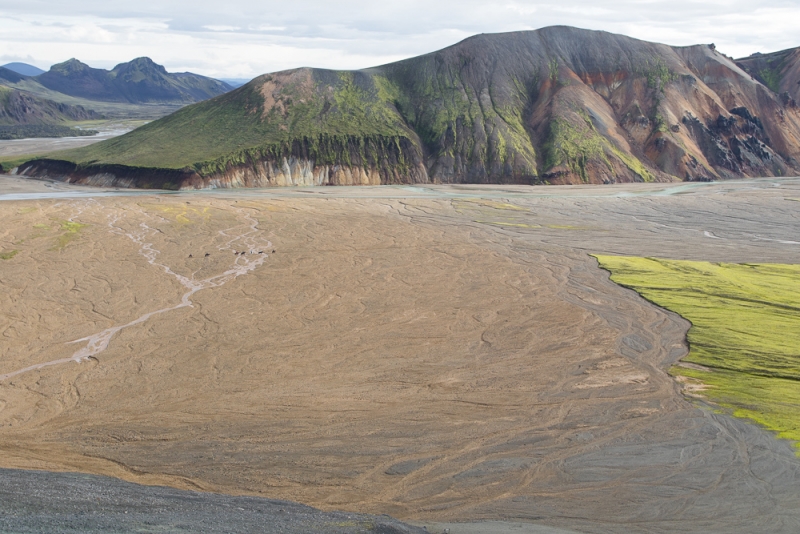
(556, 105)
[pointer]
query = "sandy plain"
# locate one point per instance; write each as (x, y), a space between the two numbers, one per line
(440, 354)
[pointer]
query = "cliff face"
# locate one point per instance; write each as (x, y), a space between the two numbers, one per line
(557, 105)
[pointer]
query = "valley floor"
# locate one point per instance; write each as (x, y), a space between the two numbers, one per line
(41, 145)
(440, 354)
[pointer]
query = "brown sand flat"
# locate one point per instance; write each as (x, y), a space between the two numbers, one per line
(443, 353)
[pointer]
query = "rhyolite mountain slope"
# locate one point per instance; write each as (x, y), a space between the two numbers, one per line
(556, 105)
(780, 71)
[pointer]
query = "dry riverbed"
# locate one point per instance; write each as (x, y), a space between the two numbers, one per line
(439, 354)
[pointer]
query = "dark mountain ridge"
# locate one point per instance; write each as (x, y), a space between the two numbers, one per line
(24, 115)
(556, 105)
(138, 81)
(19, 108)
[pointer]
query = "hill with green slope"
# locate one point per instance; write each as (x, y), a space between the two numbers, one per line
(557, 105)
(23, 115)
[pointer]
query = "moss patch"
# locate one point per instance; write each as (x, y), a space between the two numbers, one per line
(657, 72)
(771, 78)
(8, 255)
(70, 231)
(575, 144)
(745, 330)
(494, 204)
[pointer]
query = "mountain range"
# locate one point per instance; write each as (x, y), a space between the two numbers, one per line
(35, 103)
(137, 82)
(555, 105)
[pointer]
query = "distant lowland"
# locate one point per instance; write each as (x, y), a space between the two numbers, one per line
(558, 105)
(35, 103)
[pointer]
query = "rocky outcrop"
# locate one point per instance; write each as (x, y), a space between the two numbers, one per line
(109, 175)
(288, 171)
(294, 172)
(324, 160)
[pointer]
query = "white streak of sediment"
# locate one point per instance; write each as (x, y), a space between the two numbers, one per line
(97, 343)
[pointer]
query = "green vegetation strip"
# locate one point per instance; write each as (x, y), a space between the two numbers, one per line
(745, 330)
(25, 131)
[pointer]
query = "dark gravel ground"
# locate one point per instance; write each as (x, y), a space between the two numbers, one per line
(38, 501)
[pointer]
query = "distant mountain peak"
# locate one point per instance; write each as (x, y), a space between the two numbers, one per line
(144, 64)
(70, 66)
(138, 81)
(23, 68)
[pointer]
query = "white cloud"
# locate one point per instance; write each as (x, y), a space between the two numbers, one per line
(216, 28)
(244, 38)
(265, 28)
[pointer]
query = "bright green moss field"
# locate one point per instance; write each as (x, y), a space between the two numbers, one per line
(745, 330)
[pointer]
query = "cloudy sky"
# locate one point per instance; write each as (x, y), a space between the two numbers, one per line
(244, 38)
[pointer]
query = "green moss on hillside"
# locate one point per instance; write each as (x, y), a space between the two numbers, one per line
(478, 124)
(657, 72)
(230, 128)
(771, 78)
(5, 95)
(632, 163)
(574, 145)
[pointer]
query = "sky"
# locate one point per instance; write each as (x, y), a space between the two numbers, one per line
(245, 38)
